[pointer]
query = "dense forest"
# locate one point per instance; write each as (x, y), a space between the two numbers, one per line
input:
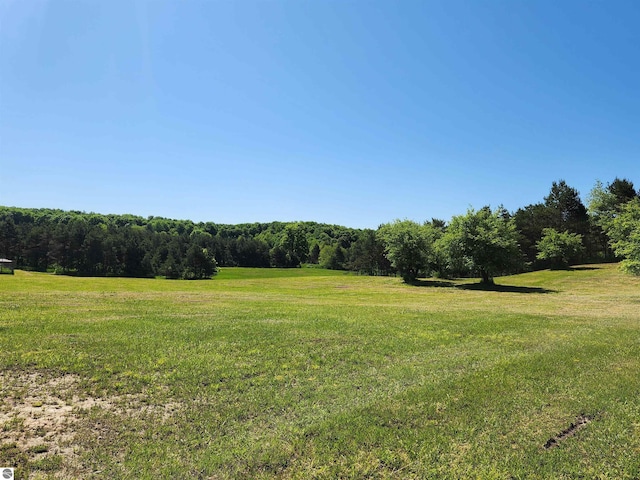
(558, 231)
(126, 245)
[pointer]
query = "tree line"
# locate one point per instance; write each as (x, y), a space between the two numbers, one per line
(73, 242)
(556, 232)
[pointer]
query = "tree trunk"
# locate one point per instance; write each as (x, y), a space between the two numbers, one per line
(485, 277)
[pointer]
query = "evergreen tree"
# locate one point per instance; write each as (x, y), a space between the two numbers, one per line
(567, 210)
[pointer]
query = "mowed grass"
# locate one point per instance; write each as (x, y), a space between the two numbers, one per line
(311, 373)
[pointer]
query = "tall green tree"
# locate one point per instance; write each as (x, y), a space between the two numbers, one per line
(408, 246)
(605, 202)
(332, 257)
(172, 267)
(530, 222)
(279, 257)
(559, 248)
(314, 254)
(8, 237)
(295, 244)
(567, 210)
(604, 205)
(484, 241)
(367, 255)
(624, 232)
(623, 190)
(199, 264)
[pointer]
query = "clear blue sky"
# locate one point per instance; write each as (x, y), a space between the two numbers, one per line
(354, 113)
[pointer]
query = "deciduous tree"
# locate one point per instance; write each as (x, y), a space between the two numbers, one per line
(408, 246)
(295, 244)
(560, 248)
(624, 233)
(485, 241)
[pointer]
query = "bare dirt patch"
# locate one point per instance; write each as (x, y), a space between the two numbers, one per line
(41, 415)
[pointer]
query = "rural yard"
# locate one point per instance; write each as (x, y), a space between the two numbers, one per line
(282, 239)
(311, 373)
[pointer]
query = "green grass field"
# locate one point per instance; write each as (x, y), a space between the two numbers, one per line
(310, 373)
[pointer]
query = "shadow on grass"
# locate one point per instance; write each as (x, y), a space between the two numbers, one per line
(431, 283)
(487, 287)
(479, 286)
(572, 269)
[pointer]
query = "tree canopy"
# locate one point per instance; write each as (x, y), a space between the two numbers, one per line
(484, 241)
(80, 243)
(408, 246)
(566, 208)
(624, 232)
(560, 248)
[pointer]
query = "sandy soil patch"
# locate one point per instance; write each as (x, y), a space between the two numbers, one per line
(41, 415)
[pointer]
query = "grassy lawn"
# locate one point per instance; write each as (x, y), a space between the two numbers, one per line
(310, 373)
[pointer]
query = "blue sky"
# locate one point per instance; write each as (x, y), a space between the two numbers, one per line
(354, 113)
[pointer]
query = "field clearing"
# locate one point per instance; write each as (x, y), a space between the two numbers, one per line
(309, 373)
